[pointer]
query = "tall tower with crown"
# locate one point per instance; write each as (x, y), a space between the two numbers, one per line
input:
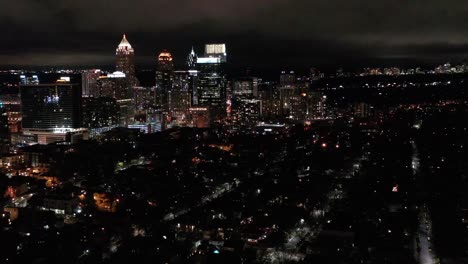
(125, 57)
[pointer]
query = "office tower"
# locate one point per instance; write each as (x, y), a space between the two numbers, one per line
(180, 96)
(144, 98)
(318, 105)
(287, 78)
(89, 82)
(50, 106)
(246, 87)
(211, 83)
(51, 111)
(164, 78)
(4, 130)
(269, 93)
(245, 107)
(192, 60)
(296, 102)
(216, 51)
(126, 61)
(246, 111)
(115, 85)
(12, 106)
(100, 114)
(24, 80)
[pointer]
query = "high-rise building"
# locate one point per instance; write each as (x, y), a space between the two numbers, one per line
(246, 87)
(89, 82)
(50, 111)
(212, 83)
(12, 105)
(246, 111)
(287, 78)
(4, 130)
(50, 106)
(245, 107)
(216, 51)
(126, 62)
(33, 79)
(100, 112)
(164, 78)
(180, 95)
(192, 60)
(296, 102)
(144, 98)
(113, 85)
(269, 93)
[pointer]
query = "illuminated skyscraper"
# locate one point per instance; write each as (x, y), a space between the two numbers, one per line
(287, 78)
(165, 62)
(164, 79)
(4, 131)
(246, 108)
(216, 51)
(89, 82)
(100, 113)
(180, 95)
(245, 88)
(211, 83)
(50, 106)
(125, 61)
(50, 111)
(192, 60)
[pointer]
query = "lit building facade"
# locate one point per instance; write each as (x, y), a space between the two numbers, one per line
(4, 131)
(100, 112)
(51, 112)
(212, 83)
(164, 79)
(180, 96)
(89, 82)
(125, 62)
(50, 106)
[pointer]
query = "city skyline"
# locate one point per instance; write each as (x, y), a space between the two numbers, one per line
(216, 131)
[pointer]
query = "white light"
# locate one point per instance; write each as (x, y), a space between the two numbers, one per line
(208, 60)
(116, 74)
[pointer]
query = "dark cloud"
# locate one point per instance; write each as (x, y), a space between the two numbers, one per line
(86, 31)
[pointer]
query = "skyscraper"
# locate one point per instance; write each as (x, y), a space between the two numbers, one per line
(126, 61)
(100, 114)
(50, 111)
(89, 82)
(192, 60)
(211, 83)
(164, 78)
(50, 106)
(216, 51)
(246, 108)
(245, 88)
(4, 131)
(179, 97)
(287, 78)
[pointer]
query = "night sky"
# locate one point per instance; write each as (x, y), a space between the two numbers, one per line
(258, 33)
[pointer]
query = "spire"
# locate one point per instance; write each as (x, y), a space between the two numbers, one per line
(124, 46)
(124, 42)
(192, 59)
